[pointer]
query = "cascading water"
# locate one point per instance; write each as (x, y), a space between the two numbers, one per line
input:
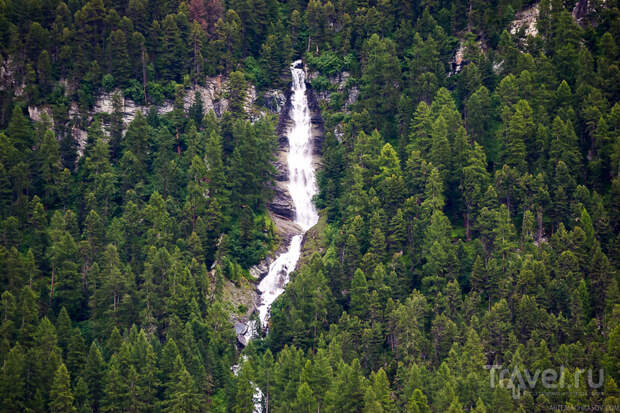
(301, 186)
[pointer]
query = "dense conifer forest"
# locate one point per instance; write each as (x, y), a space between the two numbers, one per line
(469, 201)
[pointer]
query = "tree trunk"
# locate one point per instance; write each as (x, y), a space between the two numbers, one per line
(52, 284)
(467, 233)
(146, 100)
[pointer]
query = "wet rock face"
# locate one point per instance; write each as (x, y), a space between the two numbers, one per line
(282, 204)
(316, 119)
(284, 121)
(281, 171)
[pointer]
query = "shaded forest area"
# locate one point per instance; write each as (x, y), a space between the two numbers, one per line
(470, 217)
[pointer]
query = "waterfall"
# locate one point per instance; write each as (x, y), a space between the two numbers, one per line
(301, 186)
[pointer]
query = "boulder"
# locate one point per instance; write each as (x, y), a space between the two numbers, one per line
(240, 328)
(261, 269)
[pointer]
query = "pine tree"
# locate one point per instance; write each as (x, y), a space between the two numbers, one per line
(520, 126)
(49, 166)
(215, 167)
(170, 49)
(197, 39)
(114, 398)
(76, 353)
(474, 184)
(115, 285)
(398, 232)
(245, 390)
(237, 89)
(44, 358)
(119, 57)
(63, 329)
(359, 295)
(318, 375)
(381, 82)
(266, 377)
(20, 134)
(378, 394)
(433, 192)
(440, 147)
(61, 397)
(230, 41)
(376, 250)
(421, 129)
(94, 374)
(137, 140)
(564, 145)
(82, 400)
(406, 325)
(183, 395)
(612, 358)
(29, 311)
(599, 278)
(346, 393)
(12, 381)
(305, 402)
(418, 403)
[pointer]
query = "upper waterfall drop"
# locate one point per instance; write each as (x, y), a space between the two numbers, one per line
(302, 188)
(302, 182)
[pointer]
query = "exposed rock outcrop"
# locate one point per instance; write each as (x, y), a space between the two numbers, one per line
(458, 61)
(526, 20)
(339, 84)
(581, 11)
(212, 95)
(36, 113)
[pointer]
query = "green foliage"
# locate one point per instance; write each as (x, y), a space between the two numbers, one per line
(469, 214)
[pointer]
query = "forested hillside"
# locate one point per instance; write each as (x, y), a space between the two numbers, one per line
(469, 201)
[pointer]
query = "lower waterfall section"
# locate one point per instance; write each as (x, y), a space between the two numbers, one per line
(271, 287)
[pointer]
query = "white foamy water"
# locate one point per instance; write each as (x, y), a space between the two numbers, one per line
(301, 186)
